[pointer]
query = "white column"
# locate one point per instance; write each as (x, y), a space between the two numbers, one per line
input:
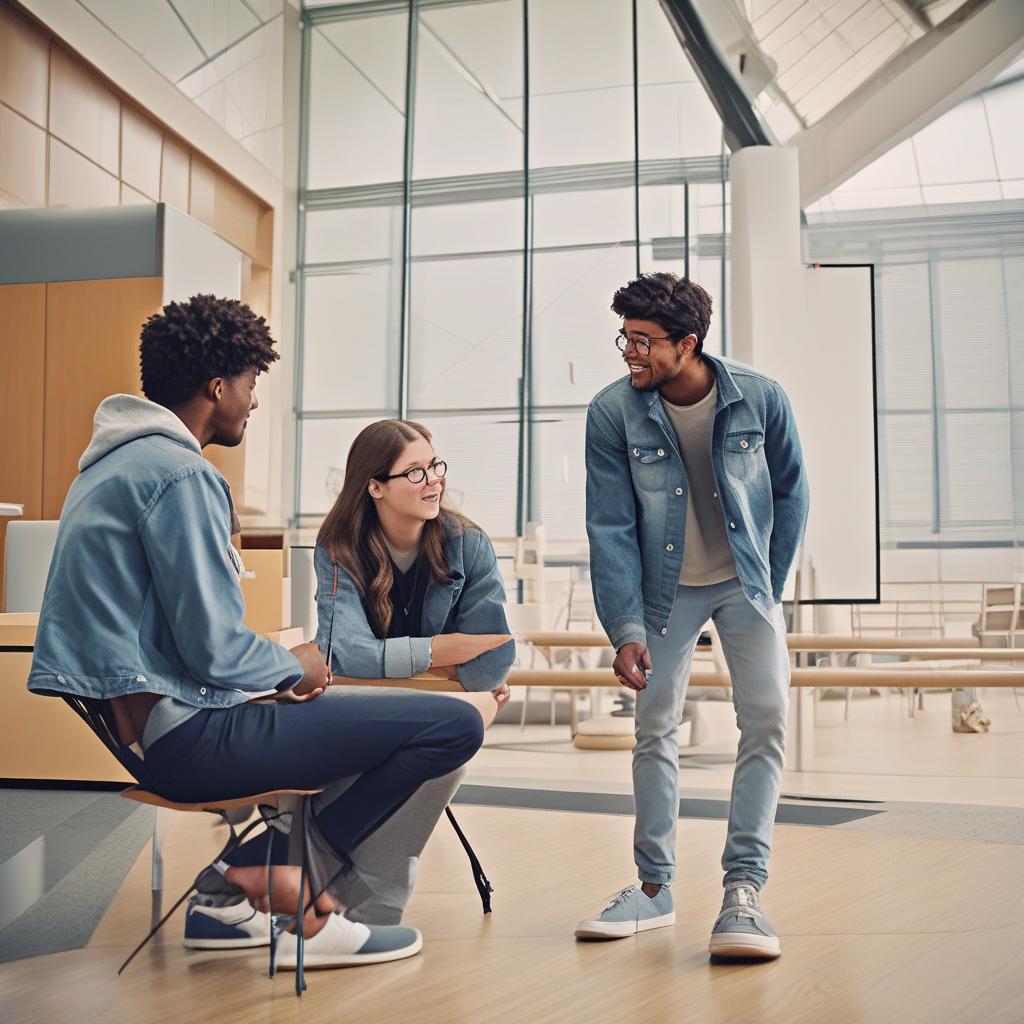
(765, 260)
(767, 327)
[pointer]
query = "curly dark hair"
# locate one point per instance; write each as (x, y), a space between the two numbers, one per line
(189, 343)
(681, 306)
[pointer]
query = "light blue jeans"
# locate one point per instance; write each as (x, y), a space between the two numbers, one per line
(756, 653)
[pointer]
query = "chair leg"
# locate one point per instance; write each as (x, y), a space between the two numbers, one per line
(1016, 698)
(846, 709)
(156, 884)
(526, 704)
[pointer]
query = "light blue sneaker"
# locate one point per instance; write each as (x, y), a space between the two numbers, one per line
(742, 932)
(630, 911)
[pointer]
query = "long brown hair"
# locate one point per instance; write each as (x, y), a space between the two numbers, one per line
(351, 531)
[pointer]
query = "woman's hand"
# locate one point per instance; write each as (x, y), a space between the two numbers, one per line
(502, 695)
(316, 672)
(458, 648)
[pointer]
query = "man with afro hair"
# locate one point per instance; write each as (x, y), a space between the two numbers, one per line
(142, 619)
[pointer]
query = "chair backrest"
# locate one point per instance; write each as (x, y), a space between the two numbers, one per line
(28, 552)
(1000, 608)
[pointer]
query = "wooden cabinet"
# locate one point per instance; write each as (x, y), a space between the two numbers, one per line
(92, 350)
(22, 359)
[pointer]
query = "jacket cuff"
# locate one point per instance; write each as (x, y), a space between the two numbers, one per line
(627, 633)
(406, 656)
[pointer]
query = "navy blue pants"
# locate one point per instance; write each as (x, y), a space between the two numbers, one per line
(393, 743)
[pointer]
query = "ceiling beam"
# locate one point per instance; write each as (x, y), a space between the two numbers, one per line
(952, 62)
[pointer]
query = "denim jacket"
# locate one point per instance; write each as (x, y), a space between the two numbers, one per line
(471, 603)
(637, 496)
(143, 593)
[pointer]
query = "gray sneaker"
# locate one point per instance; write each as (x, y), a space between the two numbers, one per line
(630, 911)
(742, 931)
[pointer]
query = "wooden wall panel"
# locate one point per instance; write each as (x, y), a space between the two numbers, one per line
(236, 215)
(174, 176)
(92, 350)
(202, 191)
(84, 113)
(22, 361)
(24, 66)
(75, 181)
(141, 146)
(129, 197)
(22, 161)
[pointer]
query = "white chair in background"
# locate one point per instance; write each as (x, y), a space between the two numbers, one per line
(27, 555)
(1000, 620)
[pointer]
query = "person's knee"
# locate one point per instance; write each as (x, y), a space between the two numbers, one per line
(464, 729)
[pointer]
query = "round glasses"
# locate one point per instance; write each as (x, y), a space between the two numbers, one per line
(418, 475)
(641, 344)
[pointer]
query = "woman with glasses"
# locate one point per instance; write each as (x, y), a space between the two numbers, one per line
(405, 585)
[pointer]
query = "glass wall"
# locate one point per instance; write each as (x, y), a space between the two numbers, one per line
(940, 215)
(457, 265)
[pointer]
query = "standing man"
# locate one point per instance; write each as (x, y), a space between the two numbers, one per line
(696, 504)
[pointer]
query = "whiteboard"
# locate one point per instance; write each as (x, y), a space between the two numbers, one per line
(832, 390)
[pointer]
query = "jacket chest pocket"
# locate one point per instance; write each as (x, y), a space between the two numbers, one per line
(649, 466)
(744, 453)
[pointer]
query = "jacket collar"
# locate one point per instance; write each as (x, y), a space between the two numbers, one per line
(728, 393)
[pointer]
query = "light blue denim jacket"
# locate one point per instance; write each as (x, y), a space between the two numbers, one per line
(637, 496)
(473, 602)
(143, 592)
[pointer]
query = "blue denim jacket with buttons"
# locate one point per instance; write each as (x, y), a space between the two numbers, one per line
(637, 496)
(143, 592)
(472, 601)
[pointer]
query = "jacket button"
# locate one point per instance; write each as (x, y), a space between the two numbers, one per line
(668, 547)
(715, 495)
(663, 631)
(661, 451)
(140, 679)
(679, 490)
(202, 690)
(744, 444)
(636, 451)
(732, 526)
(61, 679)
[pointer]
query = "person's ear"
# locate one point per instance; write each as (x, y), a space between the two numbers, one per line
(215, 389)
(374, 490)
(689, 343)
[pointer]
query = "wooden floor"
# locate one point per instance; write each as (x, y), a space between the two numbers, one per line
(875, 929)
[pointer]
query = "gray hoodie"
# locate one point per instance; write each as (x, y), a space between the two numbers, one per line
(143, 594)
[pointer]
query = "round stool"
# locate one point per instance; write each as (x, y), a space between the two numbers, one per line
(605, 733)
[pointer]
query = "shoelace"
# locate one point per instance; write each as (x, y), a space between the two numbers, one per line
(622, 895)
(744, 899)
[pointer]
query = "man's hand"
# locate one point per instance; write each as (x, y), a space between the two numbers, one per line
(316, 672)
(292, 696)
(502, 695)
(631, 666)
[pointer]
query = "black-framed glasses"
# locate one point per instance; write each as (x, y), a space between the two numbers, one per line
(418, 475)
(642, 344)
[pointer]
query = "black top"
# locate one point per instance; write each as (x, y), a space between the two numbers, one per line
(407, 593)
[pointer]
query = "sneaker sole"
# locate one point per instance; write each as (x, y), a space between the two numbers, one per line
(740, 945)
(622, 929)
(326, 961)
(252, 943)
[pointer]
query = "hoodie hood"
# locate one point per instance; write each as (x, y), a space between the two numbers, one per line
(123, 418)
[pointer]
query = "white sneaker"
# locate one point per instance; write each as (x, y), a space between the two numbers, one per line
(236, 926)
(345, 943)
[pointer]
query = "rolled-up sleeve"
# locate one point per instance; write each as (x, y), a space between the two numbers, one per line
(480, 610)
(343, 628)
